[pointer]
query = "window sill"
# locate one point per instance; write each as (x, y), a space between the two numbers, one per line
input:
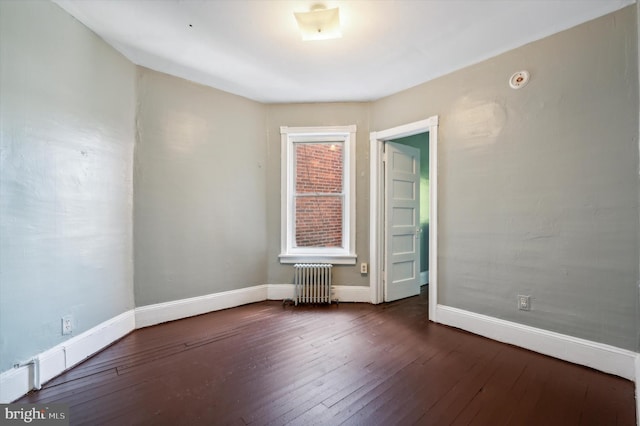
(347, 259)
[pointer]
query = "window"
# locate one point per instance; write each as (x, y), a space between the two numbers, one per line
(318, 194)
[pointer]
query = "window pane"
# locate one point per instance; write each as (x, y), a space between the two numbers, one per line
(319, 168)
(319, 221)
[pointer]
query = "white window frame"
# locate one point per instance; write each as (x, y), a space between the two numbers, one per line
(289, 253)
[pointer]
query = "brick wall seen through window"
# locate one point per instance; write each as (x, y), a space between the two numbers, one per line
(319, 194)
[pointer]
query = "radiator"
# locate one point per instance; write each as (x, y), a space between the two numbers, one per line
(312, 282)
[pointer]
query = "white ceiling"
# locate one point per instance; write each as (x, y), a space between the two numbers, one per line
(252, 47)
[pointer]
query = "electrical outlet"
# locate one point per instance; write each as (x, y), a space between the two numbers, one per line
(67, 324)
(524, 303)
(364, 268)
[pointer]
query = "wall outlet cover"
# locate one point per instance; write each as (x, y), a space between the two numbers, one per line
(67, 324)
(524, 303)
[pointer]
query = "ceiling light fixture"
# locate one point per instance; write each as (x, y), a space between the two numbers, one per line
(319, 23)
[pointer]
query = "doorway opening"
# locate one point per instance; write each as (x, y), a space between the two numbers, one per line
(378, 202)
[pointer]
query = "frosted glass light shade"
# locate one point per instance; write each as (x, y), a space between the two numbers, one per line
(319, 24)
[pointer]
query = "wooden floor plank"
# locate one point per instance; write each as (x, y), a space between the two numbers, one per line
(350, 364)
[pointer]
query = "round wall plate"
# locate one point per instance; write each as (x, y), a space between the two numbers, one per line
(519, 79)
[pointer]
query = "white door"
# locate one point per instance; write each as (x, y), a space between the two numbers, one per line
(402, 221)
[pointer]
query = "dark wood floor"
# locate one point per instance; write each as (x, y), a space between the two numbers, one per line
(352, 364)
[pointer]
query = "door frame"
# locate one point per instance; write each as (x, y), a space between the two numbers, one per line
(376, 215)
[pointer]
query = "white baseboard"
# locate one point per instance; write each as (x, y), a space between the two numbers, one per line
(177, 309)
(280, 291)
(14, 383)
(183, 308)
(606, 358)
(341, 293)
(349, 293)
(424, 277)
(48, 364)
(81, 347)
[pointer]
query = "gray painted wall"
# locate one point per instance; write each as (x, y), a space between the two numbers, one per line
(322, 114)
(637, 37)
(538, 187)
(66, 135)
(200, 188)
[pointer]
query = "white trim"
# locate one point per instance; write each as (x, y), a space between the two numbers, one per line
(433, 219)
(280, 291)
(289, 136)
(375, 219)
(315, 130)
(48, 364)
(79, 348)
(302, 258)
(376, 195)
(405, 130)
(606, 358)
(348, 293)
(183, 308)
(340, 293)
(14, 383)
(178, 309)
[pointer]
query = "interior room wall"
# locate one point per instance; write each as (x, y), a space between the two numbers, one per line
(200, 190)
(322, 114)
(637, 37)
(67, 115)
(538, 189)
